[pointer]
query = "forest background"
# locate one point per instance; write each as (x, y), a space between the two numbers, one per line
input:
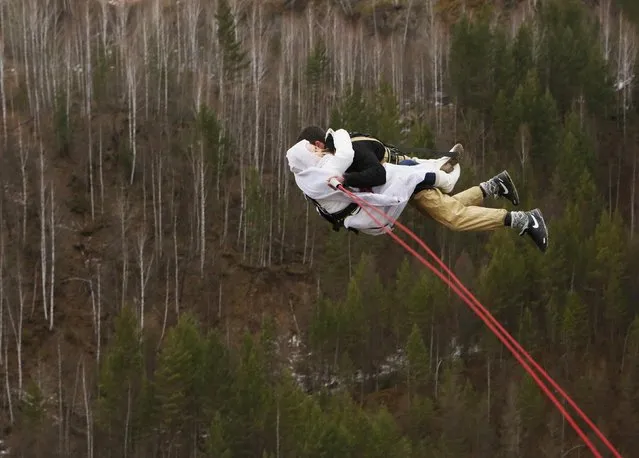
(165, 290)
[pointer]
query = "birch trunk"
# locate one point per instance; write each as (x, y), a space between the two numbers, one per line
(202, 192)
(99, 316)
(7, 383)
(89, 419)
(633, 194)
(123, 209)
(43, 235)
(52, 278)
(23, 152)
(3, 96)
(144, 271)
(60, 403)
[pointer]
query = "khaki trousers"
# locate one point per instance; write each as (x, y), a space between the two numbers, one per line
(461, 212)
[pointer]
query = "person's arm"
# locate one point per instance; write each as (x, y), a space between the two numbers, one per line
(342, 159)
(367, 171)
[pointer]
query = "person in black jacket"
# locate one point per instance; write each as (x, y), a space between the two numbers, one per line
(367, 170)
(460, 212)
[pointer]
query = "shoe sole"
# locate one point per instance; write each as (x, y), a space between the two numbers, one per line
(515, 202)
(448, 167)
(454, 155)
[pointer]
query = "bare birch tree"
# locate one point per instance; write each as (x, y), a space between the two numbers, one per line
(88, 73)
(88, 414)
(23, 152)
(16, 323)
(100, 172)
(131, 74)
(2, 299)
(91, 173)
(202, 192)
(52, 230)
(195, 159)
(167, 283)
(192, 11)
(7, 383)
(123, 210)
(104, 21)
(434, 59)
(3, 96)
(43, 234)
(60, 403)
(633, 194)
(25, 50)
(156, 196)
(258, 70)
(176, 267)
(164, 62)
(524, 148)
(99, 314)
(68, 77)
(627, 53)
(48, 53)
(604, 20)
(145, 66)
(144, 271)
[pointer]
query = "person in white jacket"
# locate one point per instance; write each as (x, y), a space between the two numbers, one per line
(313, 166)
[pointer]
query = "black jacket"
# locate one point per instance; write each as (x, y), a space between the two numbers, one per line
(366, 170)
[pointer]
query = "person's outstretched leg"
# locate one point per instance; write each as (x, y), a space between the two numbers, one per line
(452, 213)
(472, 196)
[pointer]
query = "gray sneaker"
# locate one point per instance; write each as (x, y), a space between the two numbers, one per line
(532, 223)
(501, 185)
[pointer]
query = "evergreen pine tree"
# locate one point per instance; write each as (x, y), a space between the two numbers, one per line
(354, 111)
(251, 412)
(386, 123)
(121, 381)
(418, 364)
(234, 58)
(570, 61)
(532, 409)
(215, 376)
(576, 326)
(607, 274)
(215, 442)
(522, 54)
(317, 65)
(382, 438)
(455, 407)
(470, 52)
(177, 377)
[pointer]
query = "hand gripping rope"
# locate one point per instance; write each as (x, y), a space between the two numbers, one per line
(500, 332)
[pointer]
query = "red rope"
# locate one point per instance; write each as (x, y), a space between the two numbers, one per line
(500, 332)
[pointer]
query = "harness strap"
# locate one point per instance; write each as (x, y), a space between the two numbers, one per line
(337, 218)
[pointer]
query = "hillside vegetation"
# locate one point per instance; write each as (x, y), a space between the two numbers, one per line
(157, 261)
